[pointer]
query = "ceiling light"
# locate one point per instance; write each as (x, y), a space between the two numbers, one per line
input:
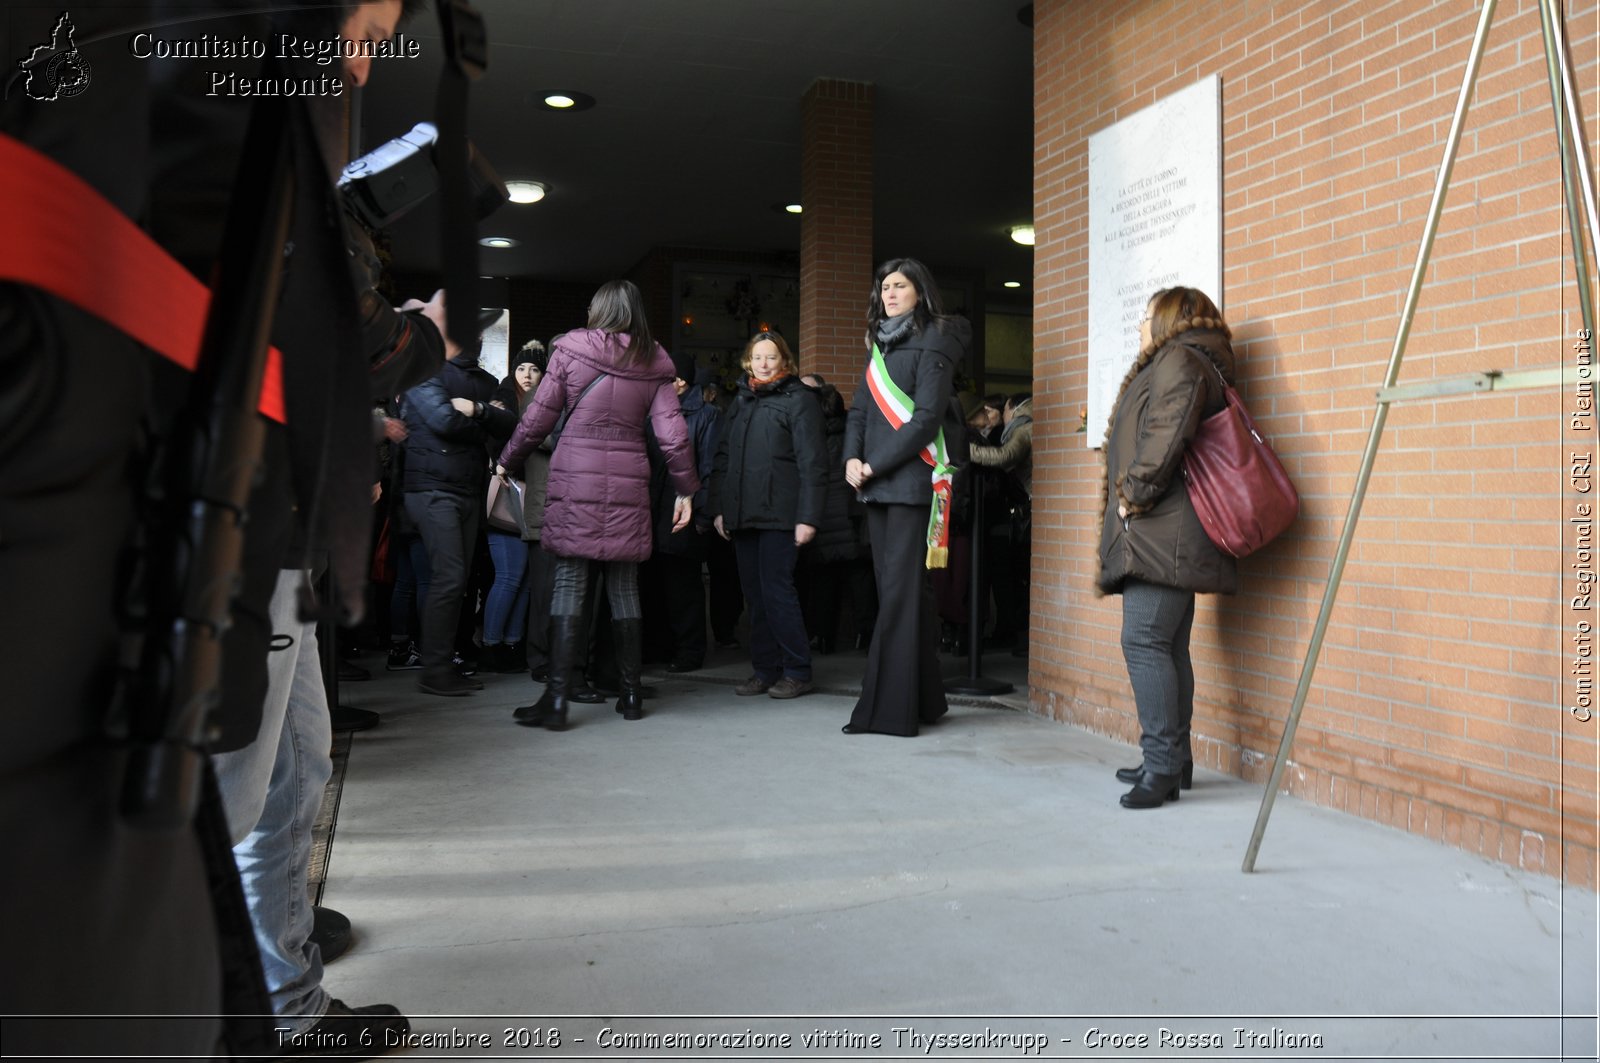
(793, 208)
(1012, 284)
(1022, 234)
(526, 191)
(562, 100)
(497, 241)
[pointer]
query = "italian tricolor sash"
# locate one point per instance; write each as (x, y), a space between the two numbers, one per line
(896, 407)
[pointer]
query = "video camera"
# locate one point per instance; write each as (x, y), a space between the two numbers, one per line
(384, 184)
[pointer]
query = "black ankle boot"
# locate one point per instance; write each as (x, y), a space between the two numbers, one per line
(629, 637)
(1131, 775)
(550, 711)
(533, 715)
(1152, 791)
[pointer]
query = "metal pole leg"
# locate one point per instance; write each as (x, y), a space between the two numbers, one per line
(1430, 230)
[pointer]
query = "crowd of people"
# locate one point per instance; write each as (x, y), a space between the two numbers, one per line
(613, 563)
(648, 504)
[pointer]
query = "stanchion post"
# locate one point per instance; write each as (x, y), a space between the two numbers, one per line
(975, 683)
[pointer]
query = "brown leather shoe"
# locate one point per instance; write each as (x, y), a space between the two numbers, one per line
(753, 686)
(790, 687)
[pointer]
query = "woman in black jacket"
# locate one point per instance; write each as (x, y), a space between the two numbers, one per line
(895, 458)
(1153, 550)
(838, 561)
(768, 485)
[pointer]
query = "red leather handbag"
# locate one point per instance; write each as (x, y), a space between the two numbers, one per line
(1239, 489)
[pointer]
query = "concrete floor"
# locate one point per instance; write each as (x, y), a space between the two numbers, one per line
(736, 863)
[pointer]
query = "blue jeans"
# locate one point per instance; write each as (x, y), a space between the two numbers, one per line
(411, 576)
(778, 643)
(272, 791)
(1156, 621)
(506, 610)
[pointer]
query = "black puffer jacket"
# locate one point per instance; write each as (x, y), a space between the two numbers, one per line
(1165, 396)
(445, 450)
(703, 420)
(924, 366)
(771, 468)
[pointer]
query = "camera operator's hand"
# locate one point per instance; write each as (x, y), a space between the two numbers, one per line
(433, 310)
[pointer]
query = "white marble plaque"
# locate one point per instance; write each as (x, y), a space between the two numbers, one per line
(1155, 220)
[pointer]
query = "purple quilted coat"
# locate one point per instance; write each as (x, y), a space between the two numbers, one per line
(597, 501)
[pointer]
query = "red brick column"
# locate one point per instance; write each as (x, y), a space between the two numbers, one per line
(836, 229)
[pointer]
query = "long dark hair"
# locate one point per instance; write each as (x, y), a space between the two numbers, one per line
(928, 311)
(618, 308)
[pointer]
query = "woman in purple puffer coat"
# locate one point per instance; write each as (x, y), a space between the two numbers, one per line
(607, 379)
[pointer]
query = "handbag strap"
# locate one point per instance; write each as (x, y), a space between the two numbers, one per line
(1200, 353)
(1230, 396)
(566, 415)
(586, 389)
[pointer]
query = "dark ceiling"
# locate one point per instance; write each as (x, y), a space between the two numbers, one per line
(695, 135)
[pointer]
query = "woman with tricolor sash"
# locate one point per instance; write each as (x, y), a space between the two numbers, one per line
(897, 458)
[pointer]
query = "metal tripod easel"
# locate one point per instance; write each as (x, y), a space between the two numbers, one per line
(1578, 184)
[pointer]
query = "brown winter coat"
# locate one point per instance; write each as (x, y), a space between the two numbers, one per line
(1165, 396)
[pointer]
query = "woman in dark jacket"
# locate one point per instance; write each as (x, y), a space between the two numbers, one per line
(768, 485)
(680, 604)
(837, 561)
(899, 413)
(505, 609)
(1153, 550)
(608, 379)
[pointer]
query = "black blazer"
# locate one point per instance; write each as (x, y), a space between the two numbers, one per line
(924, 366)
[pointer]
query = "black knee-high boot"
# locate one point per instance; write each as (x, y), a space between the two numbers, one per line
(629, 637)
(550, 711)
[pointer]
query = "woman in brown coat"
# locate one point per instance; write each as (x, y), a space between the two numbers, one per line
(1153, 550)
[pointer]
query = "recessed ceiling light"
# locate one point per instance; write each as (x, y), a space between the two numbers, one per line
(497, 241)
(526, 191)
(1012, 284)
(563, 100)
(1022, 234)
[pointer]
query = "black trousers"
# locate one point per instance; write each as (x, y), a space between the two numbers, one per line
(541, 587)
(902, 688)
(778, 644)
(448, 524)
(684, 586)
(727, 598)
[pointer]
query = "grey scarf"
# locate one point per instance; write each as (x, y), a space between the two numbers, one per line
(893, 329)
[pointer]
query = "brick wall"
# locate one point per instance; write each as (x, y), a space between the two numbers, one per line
(1440, 704)
(836, 229)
